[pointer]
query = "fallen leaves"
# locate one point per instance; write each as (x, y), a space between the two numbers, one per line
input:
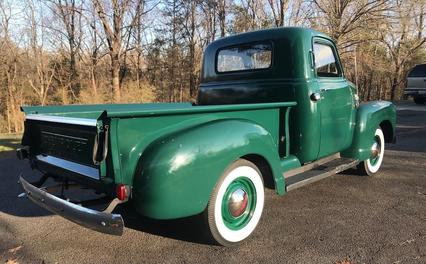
(12, 261)
(409, 241)
(14, 250)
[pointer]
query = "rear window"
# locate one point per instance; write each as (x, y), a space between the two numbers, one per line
(244, 58)
(418, 71)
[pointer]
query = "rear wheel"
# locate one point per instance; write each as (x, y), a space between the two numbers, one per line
(236, 204)
(419, 100)
(373, 164)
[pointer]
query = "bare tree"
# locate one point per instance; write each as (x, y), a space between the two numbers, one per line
(140, 11)
(70, 15)
(190, 27)
(278, 8)
(113, 29)
(93, 50)
(209, 9)
(9, 71)
(41, 75)
(342, 18)
(221, 14)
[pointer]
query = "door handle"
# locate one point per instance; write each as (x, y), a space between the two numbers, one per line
(315, 97)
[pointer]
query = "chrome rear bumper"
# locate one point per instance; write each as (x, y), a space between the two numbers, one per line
(101, 221)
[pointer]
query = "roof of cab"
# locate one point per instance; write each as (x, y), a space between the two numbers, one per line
(271, 33)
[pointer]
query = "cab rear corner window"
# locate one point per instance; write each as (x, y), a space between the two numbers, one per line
(325, 61)
(244, 58)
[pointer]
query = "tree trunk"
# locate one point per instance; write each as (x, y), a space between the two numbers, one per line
(9, 129)
(115, 76)
(222, 17)
(74, 79)
(94, 84)
(395, 82)
(192, 85)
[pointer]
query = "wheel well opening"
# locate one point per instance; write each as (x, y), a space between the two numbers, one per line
(264, 167)
(387, 129)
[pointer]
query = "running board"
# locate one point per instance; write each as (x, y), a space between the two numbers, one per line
(311, 165)
(323, 171)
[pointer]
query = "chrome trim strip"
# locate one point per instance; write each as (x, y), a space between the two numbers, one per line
(71, 166)
(62, 119)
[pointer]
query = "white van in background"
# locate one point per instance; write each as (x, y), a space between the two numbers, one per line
(416, 84)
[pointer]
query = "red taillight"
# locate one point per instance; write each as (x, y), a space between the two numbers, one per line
(122, 193)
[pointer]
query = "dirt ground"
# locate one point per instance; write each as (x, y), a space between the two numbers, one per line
(342, 219)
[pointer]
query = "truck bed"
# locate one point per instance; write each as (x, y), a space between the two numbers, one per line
(64, 136)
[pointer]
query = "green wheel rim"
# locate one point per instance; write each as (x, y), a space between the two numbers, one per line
(240, 221)
(373, 161)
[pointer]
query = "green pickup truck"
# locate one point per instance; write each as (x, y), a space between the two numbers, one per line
(274, 110)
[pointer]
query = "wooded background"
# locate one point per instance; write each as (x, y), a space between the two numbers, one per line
(108, 51)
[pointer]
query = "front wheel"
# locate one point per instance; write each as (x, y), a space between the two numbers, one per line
(236, 204)
(373, 164)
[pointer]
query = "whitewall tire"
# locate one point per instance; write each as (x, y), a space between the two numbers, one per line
(236, 204)
(373, 164)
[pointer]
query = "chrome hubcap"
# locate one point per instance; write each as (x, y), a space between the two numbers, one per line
(237, 203)
(375, 150)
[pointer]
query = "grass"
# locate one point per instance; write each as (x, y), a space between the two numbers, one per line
(9, 142)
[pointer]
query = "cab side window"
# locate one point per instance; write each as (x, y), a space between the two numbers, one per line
(325, 61)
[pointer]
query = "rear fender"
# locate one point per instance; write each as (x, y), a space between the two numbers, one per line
(177, 173)
(370, 116)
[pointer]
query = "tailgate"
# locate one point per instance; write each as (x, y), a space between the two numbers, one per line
(72, 144)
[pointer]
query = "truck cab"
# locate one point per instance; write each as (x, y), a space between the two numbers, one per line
(274, 110)
(279, 65)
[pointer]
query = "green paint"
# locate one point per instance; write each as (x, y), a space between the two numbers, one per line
(182, 168)
(173, 154)
(369, 117)
(289, 163)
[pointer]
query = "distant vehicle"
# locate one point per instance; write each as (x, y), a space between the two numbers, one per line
(274, 109)
(416, 84)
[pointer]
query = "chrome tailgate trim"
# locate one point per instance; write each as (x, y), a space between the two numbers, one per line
(71, 166)
(63, 120)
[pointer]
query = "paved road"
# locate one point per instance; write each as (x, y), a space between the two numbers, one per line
(380, 219)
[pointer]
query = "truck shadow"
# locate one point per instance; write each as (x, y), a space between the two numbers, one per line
(187, 229)
(10, 169)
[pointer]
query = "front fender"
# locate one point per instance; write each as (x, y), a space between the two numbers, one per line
(176, 174)
(369, 117)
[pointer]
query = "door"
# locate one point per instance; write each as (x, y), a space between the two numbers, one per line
(336, 99)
